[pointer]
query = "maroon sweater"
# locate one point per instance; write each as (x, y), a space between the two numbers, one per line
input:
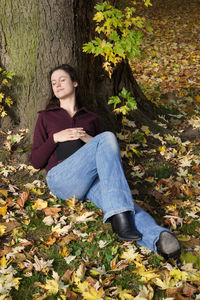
(52, 120)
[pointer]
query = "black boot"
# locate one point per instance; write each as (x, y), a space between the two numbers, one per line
(168, 246)
(123, 225)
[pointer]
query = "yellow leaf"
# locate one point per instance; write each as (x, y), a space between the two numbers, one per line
(4, 193)
(93, 294)
(17, 281)
(37, 191)
(179, 275)
(65, 252)
(146, 276)
(146, 130)
(98, 16)
(39, 204)
(71, 202)
(162, 149)
(198, 98)
(131, 255)
(3, 262)
(124, 294)
(51, 286)
(166, 283)
(3, 210)
(2, 297)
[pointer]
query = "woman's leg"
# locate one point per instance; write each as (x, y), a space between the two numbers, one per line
(99, 158)
(144, 222)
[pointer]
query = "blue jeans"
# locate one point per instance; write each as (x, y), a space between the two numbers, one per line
(95, 172)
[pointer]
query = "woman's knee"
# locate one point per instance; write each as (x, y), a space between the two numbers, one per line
(109, 137)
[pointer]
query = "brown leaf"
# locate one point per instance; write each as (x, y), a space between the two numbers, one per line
(173, 291)
(67, 275)
(179, 297)
(68, 238)
(160, 197)
(25, 244)
(7, 144)
(23, 198)
(5, 251)
(51, 211)
(10, 225)
(10, 202)
(189, 289)
(72, 296)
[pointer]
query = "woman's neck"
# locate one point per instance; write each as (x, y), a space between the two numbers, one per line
(69, 106)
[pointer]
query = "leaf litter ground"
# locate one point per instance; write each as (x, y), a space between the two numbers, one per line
(55, 250)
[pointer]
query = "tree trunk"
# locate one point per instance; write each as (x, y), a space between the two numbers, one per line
(36, 36)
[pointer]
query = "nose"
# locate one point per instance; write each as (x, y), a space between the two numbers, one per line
(57, 83)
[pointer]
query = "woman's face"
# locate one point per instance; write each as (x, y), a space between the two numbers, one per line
(62, 85)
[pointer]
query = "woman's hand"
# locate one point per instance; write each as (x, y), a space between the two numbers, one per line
(86, 138)
(69, 134)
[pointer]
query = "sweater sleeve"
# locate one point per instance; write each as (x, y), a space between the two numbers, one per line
(43, 145)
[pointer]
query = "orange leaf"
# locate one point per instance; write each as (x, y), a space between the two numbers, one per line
(3, 210)
(50, 240)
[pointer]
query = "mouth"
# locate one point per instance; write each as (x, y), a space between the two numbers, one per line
(59, 90)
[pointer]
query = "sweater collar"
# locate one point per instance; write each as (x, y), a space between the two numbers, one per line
(56, 107)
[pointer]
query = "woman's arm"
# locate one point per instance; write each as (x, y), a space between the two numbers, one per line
(43, 145)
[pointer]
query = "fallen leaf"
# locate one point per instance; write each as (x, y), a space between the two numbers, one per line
(40, 204)
(3, 210)
(189, 289)
(4, 193)
(23, 198)
(51, 211)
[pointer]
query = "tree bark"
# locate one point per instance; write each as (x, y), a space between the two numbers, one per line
(36, 36)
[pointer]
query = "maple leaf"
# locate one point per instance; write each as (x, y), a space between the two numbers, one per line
(7, 280)
(166, 283)
(89, 292)
(51, 286)
(3, 262)
(5, 172)
(2, 229)
(64, 230)
(146, 130)
(131, 255)
(146, 275)
(124, 294)
(179, 275)
(23, 198)
(48, 220)
(103, 244)
(4, 193)
(146, 293)
(86, 217)
(40, 204)
(69, 258)
(52, 211)
(185, 162)
(37, 191)
(39, 264)
(98, 271)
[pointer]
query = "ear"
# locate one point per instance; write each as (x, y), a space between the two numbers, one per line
(75, 84)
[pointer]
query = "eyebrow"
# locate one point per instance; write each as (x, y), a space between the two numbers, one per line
(63, 76)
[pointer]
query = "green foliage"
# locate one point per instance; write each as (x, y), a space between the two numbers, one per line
(126, 101)
(5, 99)
(120, 34)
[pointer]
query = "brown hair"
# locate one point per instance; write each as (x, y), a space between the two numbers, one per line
(72, 74)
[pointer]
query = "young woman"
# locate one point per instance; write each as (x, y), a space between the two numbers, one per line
(84, 162)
